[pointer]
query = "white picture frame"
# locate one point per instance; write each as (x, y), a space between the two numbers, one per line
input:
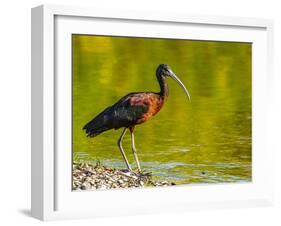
(52, 197)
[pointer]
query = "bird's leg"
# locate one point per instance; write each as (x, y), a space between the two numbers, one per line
(122, 150)
(134, 148)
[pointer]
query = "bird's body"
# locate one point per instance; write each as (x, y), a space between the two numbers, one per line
(133, 109)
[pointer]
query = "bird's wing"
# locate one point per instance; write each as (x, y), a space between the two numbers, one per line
(99, 123)
(126, 112)
(129, 110)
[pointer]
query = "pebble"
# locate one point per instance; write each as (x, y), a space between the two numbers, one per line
(97, 177)
(120, 181)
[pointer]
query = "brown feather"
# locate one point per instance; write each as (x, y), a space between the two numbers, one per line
(153, 101)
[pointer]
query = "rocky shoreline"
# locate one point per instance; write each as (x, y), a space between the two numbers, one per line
(98, 177)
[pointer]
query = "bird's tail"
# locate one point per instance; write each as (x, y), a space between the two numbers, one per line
(94, 133)
(97, 125)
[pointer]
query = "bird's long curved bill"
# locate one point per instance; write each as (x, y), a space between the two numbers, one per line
(173, 76)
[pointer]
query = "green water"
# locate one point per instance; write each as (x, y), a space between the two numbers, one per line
(207, 140)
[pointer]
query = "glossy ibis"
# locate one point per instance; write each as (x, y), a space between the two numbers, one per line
(133, 109)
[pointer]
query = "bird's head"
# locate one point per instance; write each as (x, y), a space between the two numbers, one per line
(165, 71)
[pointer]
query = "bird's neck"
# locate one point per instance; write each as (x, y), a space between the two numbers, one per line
(164, 89)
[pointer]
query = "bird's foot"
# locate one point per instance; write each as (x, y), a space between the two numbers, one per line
(139, 174)
(143, 174)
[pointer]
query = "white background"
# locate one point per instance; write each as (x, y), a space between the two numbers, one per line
(15, 112)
